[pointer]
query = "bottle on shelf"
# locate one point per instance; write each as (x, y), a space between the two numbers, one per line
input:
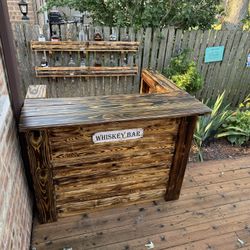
(44, 62)
(83, 36)
(127, 38)
(125, 61)
(55, 37)
(71, 62)
(41, 38)
(112, 37)
(83, 62)
(98, 62)
(112, 61)
(98, 37)
(57, 62)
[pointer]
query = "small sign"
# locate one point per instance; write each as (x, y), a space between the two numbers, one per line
(118, 135)
(214, 54)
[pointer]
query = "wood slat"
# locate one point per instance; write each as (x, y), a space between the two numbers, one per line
(84, 71)
(87, 46)
(162, 49)
(147, 48)
(169, 46)
(137, 197)
(85, 190)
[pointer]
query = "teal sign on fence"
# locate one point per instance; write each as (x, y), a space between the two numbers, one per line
(214, 54)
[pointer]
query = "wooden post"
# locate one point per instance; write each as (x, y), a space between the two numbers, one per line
(41, 171)
(10, 61)
(40, 164)
(182, 148)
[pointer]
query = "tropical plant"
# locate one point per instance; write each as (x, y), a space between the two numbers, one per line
(183, 71)
(207, 126)
(237, 127)
(146, 13)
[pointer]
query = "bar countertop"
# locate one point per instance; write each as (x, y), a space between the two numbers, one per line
(61, 112)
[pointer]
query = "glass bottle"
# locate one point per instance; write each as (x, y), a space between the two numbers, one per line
(41, 38)
(71, 62)
(55, 37)
(112, 61)
(57, 62)
(127, 38)
(83, 62)
(98, 62)
(44, 62)
(112, 37)
(125, 61)
(83, 35)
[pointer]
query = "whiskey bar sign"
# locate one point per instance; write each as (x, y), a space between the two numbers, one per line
(118, 135)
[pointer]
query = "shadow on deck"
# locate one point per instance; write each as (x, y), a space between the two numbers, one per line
(212, 213)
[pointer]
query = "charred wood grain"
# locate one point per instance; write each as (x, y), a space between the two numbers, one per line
(183, 144)
(41, 171)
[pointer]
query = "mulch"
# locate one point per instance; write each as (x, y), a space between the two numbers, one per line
(220, 149)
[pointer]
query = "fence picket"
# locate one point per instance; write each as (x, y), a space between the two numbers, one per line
(236, 67)
(231, 58)
(147, 47)
(169, 48)
(162, 49)
(138, 60)
(237, 97)
(155, 47)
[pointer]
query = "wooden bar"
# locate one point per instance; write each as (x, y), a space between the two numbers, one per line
(103, 151)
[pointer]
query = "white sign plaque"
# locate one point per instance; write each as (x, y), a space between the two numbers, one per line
(118, 135)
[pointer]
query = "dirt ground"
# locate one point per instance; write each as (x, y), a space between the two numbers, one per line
(220, 149)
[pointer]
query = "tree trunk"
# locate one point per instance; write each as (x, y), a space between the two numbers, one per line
(236, 11)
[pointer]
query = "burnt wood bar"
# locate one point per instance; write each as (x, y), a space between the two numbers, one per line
(96, 152)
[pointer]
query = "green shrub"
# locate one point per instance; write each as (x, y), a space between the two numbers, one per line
(237, 127)
(208, 125)
(183, 72)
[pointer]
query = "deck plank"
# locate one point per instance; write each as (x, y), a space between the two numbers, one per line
(212, 213)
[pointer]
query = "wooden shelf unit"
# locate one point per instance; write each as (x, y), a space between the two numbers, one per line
(85, 71)
(101, 46)
(124, 47)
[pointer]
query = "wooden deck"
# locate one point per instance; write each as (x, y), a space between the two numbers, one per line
(213, 212)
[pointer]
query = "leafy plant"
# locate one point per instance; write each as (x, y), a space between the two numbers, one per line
(207, 126)
(182, 70)
(237, 127)
(146, 13)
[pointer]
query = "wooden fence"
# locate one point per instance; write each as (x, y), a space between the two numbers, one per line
(155, 52)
